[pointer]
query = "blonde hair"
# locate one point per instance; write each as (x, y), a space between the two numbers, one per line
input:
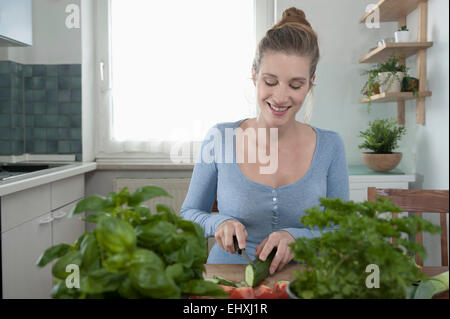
(293, 35)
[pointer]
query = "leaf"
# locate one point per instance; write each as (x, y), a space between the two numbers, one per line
(153, 283)
(201, 287)
(145, 256)
(146, 193)
(61, 291)
(90, 252)
(117, 262)
(184, 248)
(115, 235)
(101, 281)
(59, 268)
(193, 228)
(122, 197)
(52, 253)
(153, 234)
(433, 286)
(94, 218)
(94, 203)
(126, 290)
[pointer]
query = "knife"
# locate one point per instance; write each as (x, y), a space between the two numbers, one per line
(241, 251)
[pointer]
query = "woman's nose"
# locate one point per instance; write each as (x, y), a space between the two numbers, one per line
(280, 95)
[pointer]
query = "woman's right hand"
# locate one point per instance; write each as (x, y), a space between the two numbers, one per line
(225, 232)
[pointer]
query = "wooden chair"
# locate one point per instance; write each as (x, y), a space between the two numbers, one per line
(419, 201)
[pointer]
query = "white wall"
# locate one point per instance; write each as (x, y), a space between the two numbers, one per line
(53, 42)
(430, 142)
(342, 42)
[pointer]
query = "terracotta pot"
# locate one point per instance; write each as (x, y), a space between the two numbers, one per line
(381, 162)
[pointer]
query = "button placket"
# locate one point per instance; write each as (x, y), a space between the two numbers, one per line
(275, 217)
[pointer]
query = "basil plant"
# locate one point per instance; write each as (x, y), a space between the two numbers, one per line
(131, 253)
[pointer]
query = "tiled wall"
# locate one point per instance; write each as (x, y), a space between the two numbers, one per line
(40, 109)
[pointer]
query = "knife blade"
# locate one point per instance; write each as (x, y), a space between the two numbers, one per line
(241, 251)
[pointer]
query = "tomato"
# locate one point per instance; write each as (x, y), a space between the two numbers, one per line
(280, 289)
(264, 292)
(243, 293)
(228, 289)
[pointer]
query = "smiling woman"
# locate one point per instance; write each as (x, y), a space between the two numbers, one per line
(262, 209)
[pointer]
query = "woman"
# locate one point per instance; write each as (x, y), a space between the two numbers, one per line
(263, 209)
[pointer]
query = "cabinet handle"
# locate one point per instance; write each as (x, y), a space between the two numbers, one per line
(46, 220)
(59, 215)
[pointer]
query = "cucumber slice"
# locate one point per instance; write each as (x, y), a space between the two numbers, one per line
(259, 271)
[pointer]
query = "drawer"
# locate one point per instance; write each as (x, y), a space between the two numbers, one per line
(66, 191)
(25, 205)
(65, 229)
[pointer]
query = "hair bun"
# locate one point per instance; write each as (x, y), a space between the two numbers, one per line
(294, 15)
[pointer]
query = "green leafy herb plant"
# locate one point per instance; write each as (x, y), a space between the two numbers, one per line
(382, 136)
(132, 253)
(350, 237)
(372, 84)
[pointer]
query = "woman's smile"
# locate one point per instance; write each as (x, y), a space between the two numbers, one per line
(278, 110)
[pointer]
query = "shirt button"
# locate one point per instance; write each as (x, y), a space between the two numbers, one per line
(274, 199)
(273, 191)
(275, 207)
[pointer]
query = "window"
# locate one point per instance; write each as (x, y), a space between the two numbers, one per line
(170, 70)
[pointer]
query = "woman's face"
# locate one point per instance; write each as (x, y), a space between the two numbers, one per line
(282, 83)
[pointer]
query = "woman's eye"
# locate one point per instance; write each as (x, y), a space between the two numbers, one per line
(294, 87)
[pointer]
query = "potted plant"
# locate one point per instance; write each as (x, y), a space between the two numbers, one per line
(131, 253)
(402, 34)
(353, 241)
(384, 77)
(381, 138)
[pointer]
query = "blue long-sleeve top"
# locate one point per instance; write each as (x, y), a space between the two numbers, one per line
(262, 209)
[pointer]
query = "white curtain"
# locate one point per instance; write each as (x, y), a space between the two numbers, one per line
(177, 68)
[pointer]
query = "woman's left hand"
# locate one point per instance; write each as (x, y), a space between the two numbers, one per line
(279, 239)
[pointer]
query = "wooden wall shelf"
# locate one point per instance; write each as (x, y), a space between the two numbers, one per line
(392, 10)
(384, 52)
(397, 11)
(394, 97)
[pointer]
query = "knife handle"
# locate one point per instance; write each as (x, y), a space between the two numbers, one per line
(236, 245)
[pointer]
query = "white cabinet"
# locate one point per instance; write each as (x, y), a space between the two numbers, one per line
(32, 221)
(21, 247)
(359, 184)
(16, 23)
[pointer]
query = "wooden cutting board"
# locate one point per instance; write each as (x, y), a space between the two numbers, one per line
(236, 273)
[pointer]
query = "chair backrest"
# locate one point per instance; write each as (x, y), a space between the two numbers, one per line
(214, 208)
(419, 201)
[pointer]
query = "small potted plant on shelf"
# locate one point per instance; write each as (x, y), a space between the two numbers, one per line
(382, 138)
(384, 77)
(402, 34)
(352, 253)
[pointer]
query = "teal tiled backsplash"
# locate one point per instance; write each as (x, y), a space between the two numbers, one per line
(40, 109)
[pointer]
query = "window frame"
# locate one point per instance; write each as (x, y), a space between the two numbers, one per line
(264, 15)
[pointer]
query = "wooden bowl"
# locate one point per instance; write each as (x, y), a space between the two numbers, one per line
(381, 162)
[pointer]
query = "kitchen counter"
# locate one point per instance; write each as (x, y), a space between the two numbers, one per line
(44, 176)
